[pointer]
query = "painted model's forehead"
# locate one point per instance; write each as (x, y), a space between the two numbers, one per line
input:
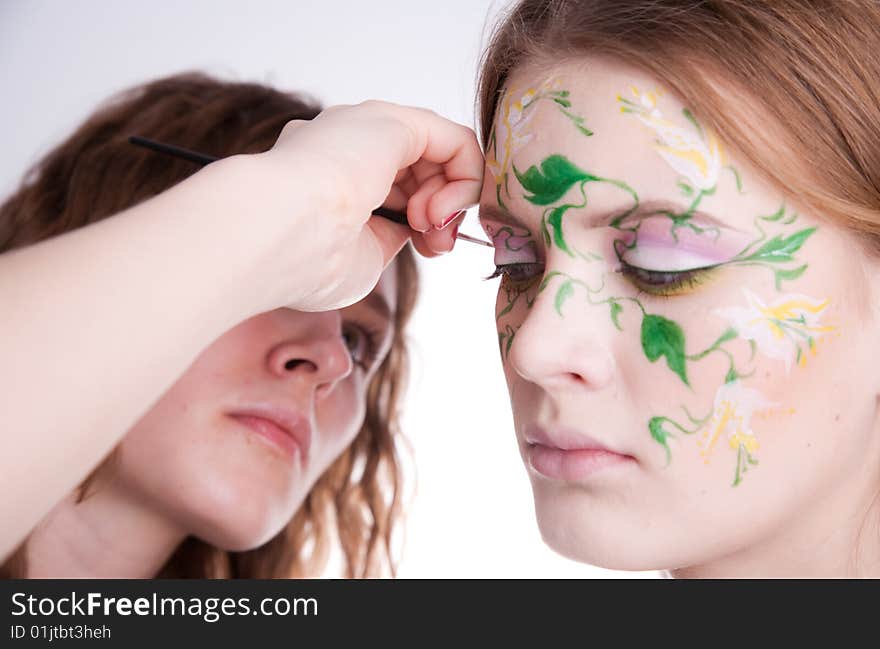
(617, 146)
(609, 120)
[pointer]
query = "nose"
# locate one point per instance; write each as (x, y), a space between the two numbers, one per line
(564, 352)
(314, 352)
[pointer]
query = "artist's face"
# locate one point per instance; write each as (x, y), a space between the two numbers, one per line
(232, 449)
(681, 345)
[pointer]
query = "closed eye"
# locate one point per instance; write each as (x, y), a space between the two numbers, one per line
(666, 283)
(518, 273)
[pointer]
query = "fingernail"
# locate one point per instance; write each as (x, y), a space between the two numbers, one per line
(449, 219)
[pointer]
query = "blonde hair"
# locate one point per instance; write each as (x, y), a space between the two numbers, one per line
(806, 71)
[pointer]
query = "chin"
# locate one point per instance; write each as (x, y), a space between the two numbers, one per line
(237, 520)
(601, 534)
(585, 548)
(237, 533)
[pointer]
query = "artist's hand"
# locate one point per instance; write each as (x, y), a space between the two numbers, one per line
(350, 160)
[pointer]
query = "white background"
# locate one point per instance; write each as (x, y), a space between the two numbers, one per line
(472, 515)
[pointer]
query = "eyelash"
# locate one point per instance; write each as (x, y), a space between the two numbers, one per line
(665, 283)
(371, 345)
(653, 282)
(508, 271)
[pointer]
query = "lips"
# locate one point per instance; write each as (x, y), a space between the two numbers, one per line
(286, 429)
(567, 455)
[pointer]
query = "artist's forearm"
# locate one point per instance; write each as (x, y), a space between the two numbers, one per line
(97, 324)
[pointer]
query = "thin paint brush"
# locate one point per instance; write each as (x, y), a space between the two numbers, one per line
(204, 159)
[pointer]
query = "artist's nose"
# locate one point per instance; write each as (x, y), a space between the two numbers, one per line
(314, 352)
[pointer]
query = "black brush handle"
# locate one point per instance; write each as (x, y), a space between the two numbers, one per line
(176, 151)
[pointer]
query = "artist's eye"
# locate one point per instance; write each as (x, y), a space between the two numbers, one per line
(361, 344)
(518, 273)
(665, 283)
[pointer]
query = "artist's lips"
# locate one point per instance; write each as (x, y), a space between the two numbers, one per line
(285, 428)
(569, 456)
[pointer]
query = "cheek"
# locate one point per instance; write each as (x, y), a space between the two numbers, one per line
(513, 302)
(769, 419)
(339, 417)
(510, 312)
(201, 471)
(819, 426)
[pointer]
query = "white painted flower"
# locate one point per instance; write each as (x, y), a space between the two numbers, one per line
(511, 132)
(784, 329)
(731, 418)
(692, 152)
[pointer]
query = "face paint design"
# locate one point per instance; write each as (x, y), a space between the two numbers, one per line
(663, 252)
(730, 422)
(778, 251)
(511, 130)
(547, 184)
(516, 259)
(694, 153)
(785, 329)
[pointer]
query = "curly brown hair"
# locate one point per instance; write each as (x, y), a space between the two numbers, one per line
(96, 173)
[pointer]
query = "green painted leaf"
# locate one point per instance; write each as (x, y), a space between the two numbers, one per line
(780, 249)
(578, 121)
(662, 337)
(549, 183)
(693, 120)
(547, 279)
(655, 425)
(615, 312)
(778, 214)
(562, 102)
(565, 291)
(505, 310)
(730, 334)
(555, 222)
(736, 177)
(785, 275)
(505, 340)
(694, 420)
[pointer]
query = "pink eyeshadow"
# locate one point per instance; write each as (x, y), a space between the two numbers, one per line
(719, 245)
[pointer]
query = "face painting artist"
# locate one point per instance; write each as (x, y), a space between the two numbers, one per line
(206, 365)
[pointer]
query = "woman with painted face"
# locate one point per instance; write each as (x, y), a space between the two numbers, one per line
(206, 384)
(685, 203)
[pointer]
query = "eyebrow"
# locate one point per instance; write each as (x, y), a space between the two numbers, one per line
(655, 207)
(648, 208)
